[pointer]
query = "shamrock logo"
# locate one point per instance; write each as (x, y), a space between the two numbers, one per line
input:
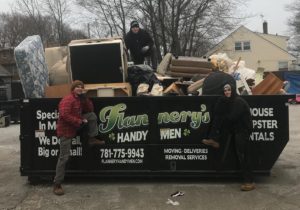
(112, 136)
(186, 132)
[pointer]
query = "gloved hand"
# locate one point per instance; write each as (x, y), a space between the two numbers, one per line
(83, 124)
(145, 49)
(82, 96)
(236, 76)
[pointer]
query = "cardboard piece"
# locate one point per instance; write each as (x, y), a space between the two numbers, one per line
(57, 91)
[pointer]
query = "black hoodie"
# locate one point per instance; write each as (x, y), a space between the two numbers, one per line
(135, 43)
(235, 111)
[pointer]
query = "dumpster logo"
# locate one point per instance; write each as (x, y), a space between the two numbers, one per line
(195, 119)
(114, 117)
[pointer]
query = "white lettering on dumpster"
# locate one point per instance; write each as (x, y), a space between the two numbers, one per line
(264, 124)
(134, 136)
(48, 145)
(185, 154)
(47, 120)
(40, 115)
(122, 155)
(262, 112)
(269, 124)
(45, 149)
(170, 133)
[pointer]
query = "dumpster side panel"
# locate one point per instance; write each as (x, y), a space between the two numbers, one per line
(151, 136)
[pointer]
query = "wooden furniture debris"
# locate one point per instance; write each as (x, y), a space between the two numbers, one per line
(93, 90)
(163, 66)
(108, 90)
(271, 85)
(191, 62)
(173, 89)
(188, 67)
(57, 91)
(96, 61)
(195, 86)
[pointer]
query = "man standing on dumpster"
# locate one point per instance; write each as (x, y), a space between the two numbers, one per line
(76, 111)
(140, 44)
(233, 120)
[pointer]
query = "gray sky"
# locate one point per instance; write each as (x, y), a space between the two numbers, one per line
(273, 11)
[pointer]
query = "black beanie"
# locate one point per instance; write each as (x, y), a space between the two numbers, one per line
(134, 24)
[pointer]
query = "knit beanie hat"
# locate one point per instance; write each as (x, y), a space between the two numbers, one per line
(76, 83)
(134, 24)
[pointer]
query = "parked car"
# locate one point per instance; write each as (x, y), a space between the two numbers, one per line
(295, 100)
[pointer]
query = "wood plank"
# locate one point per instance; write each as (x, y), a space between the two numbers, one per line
(173, 89)
(191, 62)
(164, 64)
(195, 86)
(271, 85)
(192, 70)
(185, 75)
(59, 91)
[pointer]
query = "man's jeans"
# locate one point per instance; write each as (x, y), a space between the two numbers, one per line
(65, 147)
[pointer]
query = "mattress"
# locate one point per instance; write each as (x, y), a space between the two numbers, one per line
(32, 68)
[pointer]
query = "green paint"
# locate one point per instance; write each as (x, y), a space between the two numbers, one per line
(113, 116)
(175, 117)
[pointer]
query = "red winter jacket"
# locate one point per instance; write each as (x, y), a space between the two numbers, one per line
(70, 118)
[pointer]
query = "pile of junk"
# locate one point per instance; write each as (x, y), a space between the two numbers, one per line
(102, 65)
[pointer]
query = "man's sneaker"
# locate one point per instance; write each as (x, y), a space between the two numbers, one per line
(58, 190)
(211, 142)
(247, 186)
(94, 141)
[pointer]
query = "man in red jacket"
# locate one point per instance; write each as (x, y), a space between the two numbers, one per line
(75, 112)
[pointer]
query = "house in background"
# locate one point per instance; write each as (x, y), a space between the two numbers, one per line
(260, 51)
(8, 65)
(7, 60)
(5, 84)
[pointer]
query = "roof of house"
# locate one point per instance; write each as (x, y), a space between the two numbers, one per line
(7, 56)
(4, 72)
(260, 35)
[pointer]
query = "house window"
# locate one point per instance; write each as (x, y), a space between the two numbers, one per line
(283, 65)
(238, 46)
(246, 45)
(4, 56)
(242, 46)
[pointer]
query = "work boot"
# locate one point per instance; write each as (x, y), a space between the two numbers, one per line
(58, 190)
(211, 142)
(247, 186)
(93, 141)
